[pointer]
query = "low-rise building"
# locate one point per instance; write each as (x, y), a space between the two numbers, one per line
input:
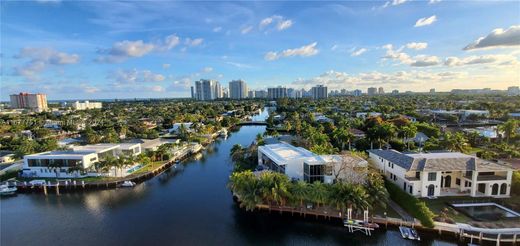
(86, 105)
(78, 161)
(300, 164)
(443, 174)
(6, 156)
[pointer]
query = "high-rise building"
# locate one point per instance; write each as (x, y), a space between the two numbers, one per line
(372, 91)
(276, 92)
(395, 92)
(319, 92)
(432, 90)
(207, 90)
(513, 90)
(381, 90)
(237, 89)
(260, 94)
(357, 92)
(192, 92)
(251, 94)
(36, 102)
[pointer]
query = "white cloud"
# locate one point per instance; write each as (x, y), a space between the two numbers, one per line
(171, 41)
(416, 46)
(483, 59)
(166, 65)
(246, 29)
(239, 65)
(426, 21)
(157, 88)
(358, 52)
(416, 61)
(394, 3)
(134, 76)
(123, 50)
(284, 25)
(307, 50)
(217, 29)
(425, 61)
(497, 38)
(40, 59)
(434, 1)
(281, 23)
(193, 42)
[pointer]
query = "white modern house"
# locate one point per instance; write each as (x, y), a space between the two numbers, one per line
(57, 164)
(301, 164)
(443, 174)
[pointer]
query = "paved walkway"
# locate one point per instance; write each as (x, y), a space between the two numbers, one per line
(404, 215)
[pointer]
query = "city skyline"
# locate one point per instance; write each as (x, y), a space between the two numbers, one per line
(102, 50)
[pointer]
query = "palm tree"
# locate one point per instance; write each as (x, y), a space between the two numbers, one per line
(509, 128)
(319, 193)
(245, 186)
(237, 152)
(300, 191)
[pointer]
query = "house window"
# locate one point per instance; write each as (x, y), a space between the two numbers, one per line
(469, 173)
(392, 165)
(389, 164)
(457, 181)
(418, 175)
(313, 172)
(432, 176)
(486, 173)
(395, 178)
(328, 170)
(467, 184)
(411, 189)
(404, 186)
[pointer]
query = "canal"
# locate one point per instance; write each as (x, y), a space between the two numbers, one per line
(191, 206)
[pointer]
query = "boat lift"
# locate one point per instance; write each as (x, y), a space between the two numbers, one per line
(363, 226)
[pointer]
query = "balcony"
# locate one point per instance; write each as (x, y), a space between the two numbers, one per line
(412, 178)
(490, 177)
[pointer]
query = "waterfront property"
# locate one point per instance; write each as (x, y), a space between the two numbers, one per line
(301, 164)
(75, 162)
(443, 174)
(488, 211)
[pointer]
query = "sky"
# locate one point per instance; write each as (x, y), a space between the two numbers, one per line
(142, 49)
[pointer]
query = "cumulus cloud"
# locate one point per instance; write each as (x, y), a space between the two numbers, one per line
(426, 21)
(217, 29)
(416, 46)
(497, 38)
(40, 59)
(123, 50)
(126, 49)
(157, 88)
(307, 50)
(281, 23)
(166, 65)
(136, 76)
(434, 1)
(416, 61)
(358, 52)
(207, 70)
(394, 3)
(425, 61)
(483, 59)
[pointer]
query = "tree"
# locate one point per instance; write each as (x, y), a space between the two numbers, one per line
(509, 128)
(319, 193)
(300, 191)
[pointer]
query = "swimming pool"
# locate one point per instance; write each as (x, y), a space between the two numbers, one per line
(488, 211)
(133, 169)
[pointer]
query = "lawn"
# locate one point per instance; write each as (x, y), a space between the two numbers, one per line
(438, 204)
(148, 167)
(390, 212)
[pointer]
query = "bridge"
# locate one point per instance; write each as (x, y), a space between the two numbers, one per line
(252, 123)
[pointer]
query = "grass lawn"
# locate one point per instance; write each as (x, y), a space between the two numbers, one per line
(149, 167)
(390, 212)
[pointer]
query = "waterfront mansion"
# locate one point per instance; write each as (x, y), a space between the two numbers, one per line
(56, 164)
(300, 164)
(443, 173)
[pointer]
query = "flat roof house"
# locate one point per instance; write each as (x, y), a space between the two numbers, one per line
(301, 164)
(57, 164)
(443, 174)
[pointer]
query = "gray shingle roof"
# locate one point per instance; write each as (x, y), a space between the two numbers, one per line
(447, 161)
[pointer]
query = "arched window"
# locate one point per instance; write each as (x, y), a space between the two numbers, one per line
(503, 189)
(494, 190)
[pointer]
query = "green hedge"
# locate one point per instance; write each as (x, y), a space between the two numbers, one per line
(515, 187)
(412, 205)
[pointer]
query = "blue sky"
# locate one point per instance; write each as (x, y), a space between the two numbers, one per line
(101, 49)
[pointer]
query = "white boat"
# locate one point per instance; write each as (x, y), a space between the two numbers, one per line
(409, 233)
(128, 183)
(7, 190)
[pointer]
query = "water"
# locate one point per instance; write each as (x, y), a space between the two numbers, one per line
(187, 207)
(485, 212)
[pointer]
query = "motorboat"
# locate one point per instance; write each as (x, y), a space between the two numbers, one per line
(409, 233)
(6, 190)
(128, 183)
